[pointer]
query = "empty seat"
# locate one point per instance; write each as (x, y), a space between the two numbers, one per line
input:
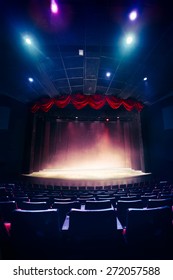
(58, 199)
(127, 198)
(20, 199)
(6, 209)
(64, 207)
(27, 205)
(92, 224)
(94, 233)
(146, 197)
(152, 203)
(111, 198)
(148, 232)
(102, 204)
(36, 234)
(122, 207)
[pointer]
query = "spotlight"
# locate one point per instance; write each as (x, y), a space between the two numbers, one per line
(30, 80)
(54, 7)
(129, 39)
(108, 74)
(145, 79)
(28, 40)
(81, 52)
(133, 15)
(107, 119)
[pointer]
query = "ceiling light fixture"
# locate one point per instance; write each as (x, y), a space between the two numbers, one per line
(133, 15)
(54, 7)
(28, 40)
(129, 39)
(30, 80)
(81, 52)
(108, 74)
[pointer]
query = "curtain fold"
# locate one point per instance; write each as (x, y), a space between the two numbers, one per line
(79, 101)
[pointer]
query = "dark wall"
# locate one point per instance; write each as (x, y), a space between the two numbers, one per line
(12, 136)
(158, 138)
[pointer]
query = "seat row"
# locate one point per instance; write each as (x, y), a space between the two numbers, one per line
(89, 234)
(64, 206)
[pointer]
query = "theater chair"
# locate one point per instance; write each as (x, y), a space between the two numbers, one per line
(26, 205)
(41, 199)
(36, 234)
(64, 207)
(148, 233)
(122, 207)
(152, 203)
(94, 234)
(6, 209)
(20, 199)
(101, 204)
(5, 244)
(145, 198)
(111, 198)
(3, 191)
(82, 200)
(57, 199)
(127, 198)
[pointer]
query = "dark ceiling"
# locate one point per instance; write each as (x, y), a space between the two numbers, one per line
(98, 28)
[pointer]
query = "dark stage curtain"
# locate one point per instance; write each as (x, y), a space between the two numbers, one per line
(79, 101)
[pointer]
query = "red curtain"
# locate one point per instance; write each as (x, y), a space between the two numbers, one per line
(79, 101)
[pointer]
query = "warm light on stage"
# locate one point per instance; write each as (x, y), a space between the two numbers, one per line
(89, 153)
(86, 177)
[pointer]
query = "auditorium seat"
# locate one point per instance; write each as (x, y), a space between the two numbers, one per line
(111, 198)
(82, 200)
(6, 209)
(170, 195)
(36, 234)
(20, 199)
(128, 198)
(101, 204)
(3, 191)
(4, 198)
(5, 244)
(146, 197)
(122, 207)
(148, 232)
(64, 207)
(60, 199)
(27, 205)
(94, 233)
(152, 203)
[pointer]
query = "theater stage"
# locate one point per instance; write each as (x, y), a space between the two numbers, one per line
(88, 177)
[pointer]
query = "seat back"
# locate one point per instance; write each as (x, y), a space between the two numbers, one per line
(26, 205)
(145, 198)
(128, 198)
(64, 208)
(92, 224)
(122, 207)
(6, 209)
(35, 233)
(148, 227)
(102, 204)
(32, 221)
(152, 203)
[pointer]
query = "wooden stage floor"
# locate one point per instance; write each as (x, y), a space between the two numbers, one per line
(88, 177)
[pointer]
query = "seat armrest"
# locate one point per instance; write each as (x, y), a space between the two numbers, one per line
(119, 225)
(66, 223)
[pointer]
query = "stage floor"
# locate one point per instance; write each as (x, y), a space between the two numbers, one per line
(86, 177)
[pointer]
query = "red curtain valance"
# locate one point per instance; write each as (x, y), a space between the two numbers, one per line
(79, 101)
